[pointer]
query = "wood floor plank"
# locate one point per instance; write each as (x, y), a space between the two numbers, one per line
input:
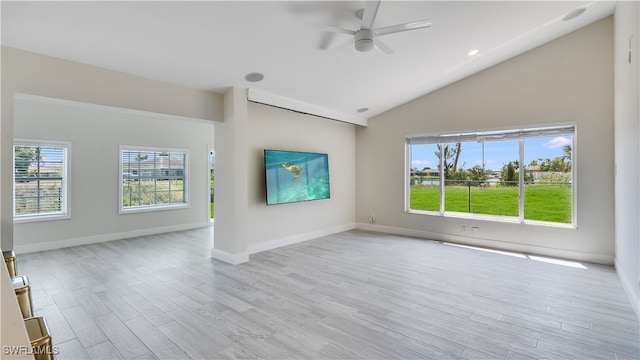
(191, 292)
(65, 300)
(104, 351)
(146, 308)
(70, 350)
(203, 326)
(87, 298)
(51, 285)
(41, 302)
(486, 334)
(117, 304)
(127, 344)
(155, 294)
(148, 356)
(58, 325)
(84, 326)
(333, 351)
(189, 342)
(155, 340)
(289, 333)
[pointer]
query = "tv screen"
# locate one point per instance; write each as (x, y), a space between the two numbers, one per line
(293, 176)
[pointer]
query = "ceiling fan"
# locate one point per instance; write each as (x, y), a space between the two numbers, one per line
(365, 38)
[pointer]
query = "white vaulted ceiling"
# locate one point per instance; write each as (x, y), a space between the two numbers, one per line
(212, 45)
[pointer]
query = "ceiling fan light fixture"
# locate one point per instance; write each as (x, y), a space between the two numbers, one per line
(364, 45)
(363, 40)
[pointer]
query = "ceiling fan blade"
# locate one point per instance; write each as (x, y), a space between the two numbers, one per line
(370, 12)
(341, 45)
(383, 47)
(335, 29)
(326, 40)
(414, 25)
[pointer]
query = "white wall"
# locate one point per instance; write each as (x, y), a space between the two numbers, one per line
(244, 223)
(95, 134)
(569, 79)
(627, 150)
(276, 225)
(230, 231)
(29, 73)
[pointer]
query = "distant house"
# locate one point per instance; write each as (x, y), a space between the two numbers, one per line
(425, 172)
(162, 168)
(431, 172)
(44, 172)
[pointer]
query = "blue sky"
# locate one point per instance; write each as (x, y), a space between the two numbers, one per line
(496, 154)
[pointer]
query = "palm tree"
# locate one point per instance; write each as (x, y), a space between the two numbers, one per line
(449, 154)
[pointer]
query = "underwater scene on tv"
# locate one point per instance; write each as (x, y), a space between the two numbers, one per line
(293, 176)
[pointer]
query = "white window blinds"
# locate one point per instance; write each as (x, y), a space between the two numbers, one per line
(486, 136)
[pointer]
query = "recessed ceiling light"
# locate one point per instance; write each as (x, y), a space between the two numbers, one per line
(574, 14)
(364, 109)
(473, 52)
(254, 77)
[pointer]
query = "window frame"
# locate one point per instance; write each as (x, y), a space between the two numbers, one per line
(65, 211)
(488, 134)
(122, 210)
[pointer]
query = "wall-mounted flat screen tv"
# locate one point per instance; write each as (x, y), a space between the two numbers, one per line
(293, 176)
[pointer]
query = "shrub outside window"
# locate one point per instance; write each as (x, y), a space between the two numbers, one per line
(40, 180)
(482, 175)
(152, 179)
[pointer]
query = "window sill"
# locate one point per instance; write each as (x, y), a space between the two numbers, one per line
(140, 209)
(493, 218)
(39, 218)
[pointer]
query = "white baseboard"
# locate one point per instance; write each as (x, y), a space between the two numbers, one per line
(58, 244)
(493, 244)
(628, 287)
(289, 240)
(229, 258)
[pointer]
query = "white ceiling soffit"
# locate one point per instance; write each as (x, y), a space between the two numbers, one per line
(266, 98)
(212, 45)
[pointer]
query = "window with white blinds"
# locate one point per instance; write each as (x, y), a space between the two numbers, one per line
(152, 179)
(40, 178)
(524, 175)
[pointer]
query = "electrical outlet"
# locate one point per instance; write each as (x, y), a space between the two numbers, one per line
(475, 230)
(463, 228)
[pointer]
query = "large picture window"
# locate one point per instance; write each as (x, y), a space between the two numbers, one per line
(524, 175)
(152, 179)
(40, 178)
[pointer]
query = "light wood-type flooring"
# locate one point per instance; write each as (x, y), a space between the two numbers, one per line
(353, 295)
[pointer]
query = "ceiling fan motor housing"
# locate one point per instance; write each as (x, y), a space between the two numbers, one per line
(363, 40)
